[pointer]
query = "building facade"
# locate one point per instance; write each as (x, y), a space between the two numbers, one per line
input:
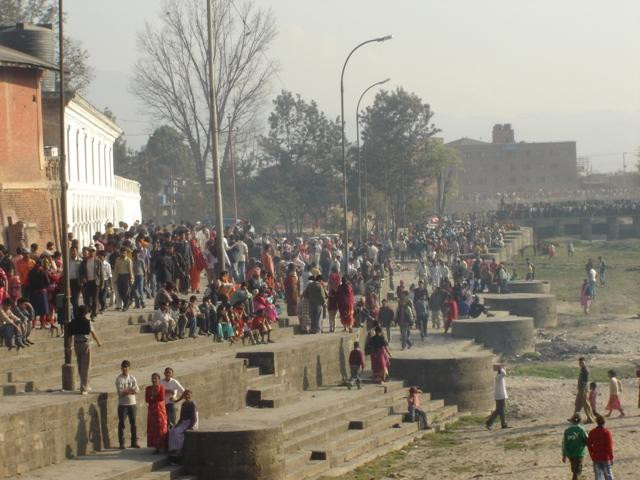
(504, 166)
(95, 194)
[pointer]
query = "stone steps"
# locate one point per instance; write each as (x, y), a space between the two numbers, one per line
(382, 430)
(110, 465)
(42, 371)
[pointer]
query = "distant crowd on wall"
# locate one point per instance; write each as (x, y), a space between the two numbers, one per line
(579, 208)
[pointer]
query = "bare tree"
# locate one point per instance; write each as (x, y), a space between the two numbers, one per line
(170, 77)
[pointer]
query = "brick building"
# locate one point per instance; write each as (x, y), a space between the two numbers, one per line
(504, 166)
(29, 203)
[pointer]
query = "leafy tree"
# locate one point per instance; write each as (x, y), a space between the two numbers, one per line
(164, 167)
(441, 164)
(46, 11)
(300, 156)
(395, 126)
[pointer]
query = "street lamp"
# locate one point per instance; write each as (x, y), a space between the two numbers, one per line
(344, 157)
(362, 166)
(68, 369)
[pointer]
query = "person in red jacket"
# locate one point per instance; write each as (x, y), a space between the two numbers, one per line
(600, 444)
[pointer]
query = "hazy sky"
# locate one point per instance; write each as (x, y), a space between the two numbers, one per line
(555, 69)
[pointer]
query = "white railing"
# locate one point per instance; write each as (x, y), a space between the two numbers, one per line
(126, 185)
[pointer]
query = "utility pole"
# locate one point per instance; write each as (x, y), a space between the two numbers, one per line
(68, 369)
(213, 126)
(233, 172)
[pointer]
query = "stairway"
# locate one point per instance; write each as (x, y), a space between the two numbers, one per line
(348, 433)
(124, 335)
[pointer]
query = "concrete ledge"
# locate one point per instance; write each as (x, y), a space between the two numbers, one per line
(462, 380)
(235, 451)
(530, 286)
(507, 334)
(525, 286)
(541, 307)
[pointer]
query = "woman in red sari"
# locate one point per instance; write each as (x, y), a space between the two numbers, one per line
(346, 303)
(199, 264)
(380, 356)
(157, 424)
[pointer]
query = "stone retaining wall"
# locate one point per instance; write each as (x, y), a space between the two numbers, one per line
(542, 307)
(465, 380)
(508, 335)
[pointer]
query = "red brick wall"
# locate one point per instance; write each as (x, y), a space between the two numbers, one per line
(35, 208)
(21, 148)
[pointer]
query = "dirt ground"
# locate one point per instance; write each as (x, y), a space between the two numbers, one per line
(541, 391)
(538, 409)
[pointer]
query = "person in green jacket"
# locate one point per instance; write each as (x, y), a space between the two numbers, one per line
(574, 443)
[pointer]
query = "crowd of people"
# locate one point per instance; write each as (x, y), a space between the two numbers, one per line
(568, 208)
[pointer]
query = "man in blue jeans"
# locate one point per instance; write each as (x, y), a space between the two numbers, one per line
(139, 275)
(127, 387)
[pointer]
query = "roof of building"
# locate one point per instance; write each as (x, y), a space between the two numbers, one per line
(51, 99)
(17, 59)
(466, 141)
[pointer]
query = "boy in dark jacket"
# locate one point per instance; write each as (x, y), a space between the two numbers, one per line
(356, 364)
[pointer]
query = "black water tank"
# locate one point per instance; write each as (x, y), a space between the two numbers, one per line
(35, 40)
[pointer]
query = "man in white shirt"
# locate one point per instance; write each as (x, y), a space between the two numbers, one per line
(127, 387)
(74, 275)
(173, 392)
(500, 397)
(162, 324)
(242, 252)
(106, 281)
(372, 253)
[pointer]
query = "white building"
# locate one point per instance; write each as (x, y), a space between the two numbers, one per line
(95, 195)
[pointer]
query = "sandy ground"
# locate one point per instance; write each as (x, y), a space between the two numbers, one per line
(538, 409)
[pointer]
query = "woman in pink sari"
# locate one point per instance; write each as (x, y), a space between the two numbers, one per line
(263, 306)
(346, 303)
(380, 356)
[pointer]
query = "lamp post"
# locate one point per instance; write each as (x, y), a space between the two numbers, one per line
(362, 166)
(213, 127)
(68, 369)
(344, 156)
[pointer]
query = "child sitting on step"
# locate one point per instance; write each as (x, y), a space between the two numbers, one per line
(413, 404)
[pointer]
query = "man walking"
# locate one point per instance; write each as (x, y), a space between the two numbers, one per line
(600, 444)
(574, 442)
(602, 268)
(127, 387)
(91, 276)
(500, 397)
(582, 397)
(123, 273)
(404, 318)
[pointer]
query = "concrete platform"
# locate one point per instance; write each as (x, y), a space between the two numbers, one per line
(541, 307)
(504, 335)
(456, 370)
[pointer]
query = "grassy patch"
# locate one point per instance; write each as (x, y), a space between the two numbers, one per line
(564, 371)
(524, 442)
(567, 273)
